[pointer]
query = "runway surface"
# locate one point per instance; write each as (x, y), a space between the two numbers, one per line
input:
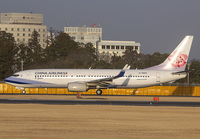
(99, 102)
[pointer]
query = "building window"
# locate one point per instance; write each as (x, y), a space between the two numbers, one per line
(12, 29)
(18, 39)
(23, 29)
(17, 34)
(112, 47)
(82, 38)
(73, 37)
(43, 35)
(43, 40)
(23, 34)
(0, 29)
(18, 29)
(39, 30)
(129, 47)
(136, 47)
(43, 30)
(29, 29)
(117, 47)
(24, 39)
(103, 46)
(122, 47)
(29, 34)
(6, 29)
(108, 47)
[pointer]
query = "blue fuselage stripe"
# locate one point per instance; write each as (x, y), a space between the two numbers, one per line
(16, 82)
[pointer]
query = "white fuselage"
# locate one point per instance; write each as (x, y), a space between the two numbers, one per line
(59, 78)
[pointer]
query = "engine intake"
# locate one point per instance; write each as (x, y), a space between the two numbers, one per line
(77, 87)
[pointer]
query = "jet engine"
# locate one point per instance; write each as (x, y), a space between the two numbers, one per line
(77, 87)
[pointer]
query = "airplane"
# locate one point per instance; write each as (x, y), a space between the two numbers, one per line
(81, 80)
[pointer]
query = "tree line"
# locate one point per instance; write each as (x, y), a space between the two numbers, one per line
(64, 52)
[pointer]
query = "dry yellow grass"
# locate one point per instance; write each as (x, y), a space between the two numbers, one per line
(97, 121)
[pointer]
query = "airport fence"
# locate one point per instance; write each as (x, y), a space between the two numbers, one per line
(148, 91)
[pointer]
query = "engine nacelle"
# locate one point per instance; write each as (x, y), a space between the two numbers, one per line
(77, 87)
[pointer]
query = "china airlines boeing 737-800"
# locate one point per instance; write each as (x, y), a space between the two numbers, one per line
(81, 80)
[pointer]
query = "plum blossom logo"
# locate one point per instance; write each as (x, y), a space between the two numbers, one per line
(179, 60)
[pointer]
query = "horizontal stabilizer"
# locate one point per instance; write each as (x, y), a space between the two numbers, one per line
(180, 72)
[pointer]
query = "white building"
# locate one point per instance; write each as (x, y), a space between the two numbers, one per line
(94, 35)
(117, 47)
(85, 34)
(21, 25)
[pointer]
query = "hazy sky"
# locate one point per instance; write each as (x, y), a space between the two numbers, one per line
(159, 25)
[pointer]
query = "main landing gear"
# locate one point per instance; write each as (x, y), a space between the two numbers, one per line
(99, 92)
(24, 92)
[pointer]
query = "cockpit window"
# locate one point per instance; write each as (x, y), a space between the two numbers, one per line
(15, 75)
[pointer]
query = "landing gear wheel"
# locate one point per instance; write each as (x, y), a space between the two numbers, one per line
(98, 92)
(24, 92)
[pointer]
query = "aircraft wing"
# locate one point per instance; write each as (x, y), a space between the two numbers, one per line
(105, 82)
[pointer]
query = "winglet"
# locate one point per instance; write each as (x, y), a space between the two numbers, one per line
(125, 67)
(122, 72)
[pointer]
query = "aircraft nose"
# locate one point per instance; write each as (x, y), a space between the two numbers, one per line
(8, 79)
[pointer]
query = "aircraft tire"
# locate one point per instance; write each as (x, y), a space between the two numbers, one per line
(24, 92)
(99, 92)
